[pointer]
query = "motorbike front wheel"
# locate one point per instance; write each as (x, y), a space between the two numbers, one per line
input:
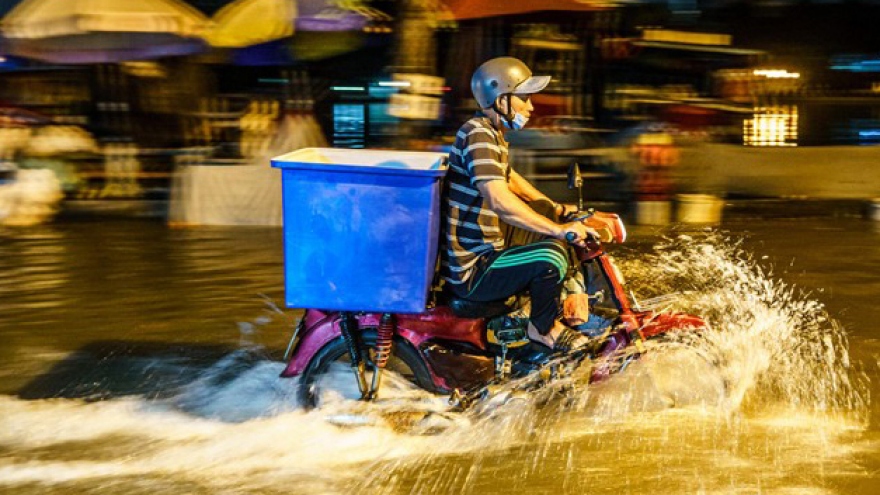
(330, 369)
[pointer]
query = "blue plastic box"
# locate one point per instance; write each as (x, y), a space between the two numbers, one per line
(360, 228)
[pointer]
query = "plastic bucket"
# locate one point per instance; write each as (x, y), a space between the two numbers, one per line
(699, 208)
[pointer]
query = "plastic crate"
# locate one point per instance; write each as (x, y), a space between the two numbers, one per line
(360, 228)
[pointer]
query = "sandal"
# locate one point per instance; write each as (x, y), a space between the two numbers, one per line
(567, 341)
(570, 341)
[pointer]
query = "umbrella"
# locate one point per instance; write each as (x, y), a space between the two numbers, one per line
(476, 9)
(245, 23)
(343, 15)
(103, 31)
(324, 29)
(250, 22)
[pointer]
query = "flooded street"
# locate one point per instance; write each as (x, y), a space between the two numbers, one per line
(142, 359)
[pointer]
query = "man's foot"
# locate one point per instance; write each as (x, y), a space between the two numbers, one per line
(569, 340)
(560, 338)
(594, 327)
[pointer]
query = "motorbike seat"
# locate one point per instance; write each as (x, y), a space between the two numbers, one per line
(465, 308)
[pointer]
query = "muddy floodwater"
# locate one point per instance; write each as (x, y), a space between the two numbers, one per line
(139, 359)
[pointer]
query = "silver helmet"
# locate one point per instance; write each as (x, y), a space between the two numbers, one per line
(504, 75)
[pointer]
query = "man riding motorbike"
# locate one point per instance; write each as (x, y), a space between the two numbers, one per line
(481, 191)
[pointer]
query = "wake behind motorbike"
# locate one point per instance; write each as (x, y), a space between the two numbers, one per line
(466, 349)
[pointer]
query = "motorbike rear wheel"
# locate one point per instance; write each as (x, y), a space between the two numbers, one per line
(404, 361)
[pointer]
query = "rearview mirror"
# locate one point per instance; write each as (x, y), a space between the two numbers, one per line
(575, 181)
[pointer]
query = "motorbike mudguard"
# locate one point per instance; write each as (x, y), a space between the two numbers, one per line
(609, 226)
(653, 324)
(319, 329)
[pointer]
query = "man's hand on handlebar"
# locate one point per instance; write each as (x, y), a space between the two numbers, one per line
(576, 233)
(565, 211)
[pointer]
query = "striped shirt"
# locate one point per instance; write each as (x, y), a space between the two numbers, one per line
(470, 228)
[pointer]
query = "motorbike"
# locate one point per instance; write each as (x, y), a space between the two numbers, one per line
(463, 348)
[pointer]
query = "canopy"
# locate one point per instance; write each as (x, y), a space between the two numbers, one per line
(476, 9)
(326, 15)
(98, 31)
(324, 29)
(251, 22)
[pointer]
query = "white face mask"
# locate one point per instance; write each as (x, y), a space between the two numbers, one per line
(519, 121)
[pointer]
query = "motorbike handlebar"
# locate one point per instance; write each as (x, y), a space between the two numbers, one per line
(607, 226)
(570, 237)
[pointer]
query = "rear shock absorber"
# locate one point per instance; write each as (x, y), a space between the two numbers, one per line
(348, 326)
(384, 339)
(384, 344)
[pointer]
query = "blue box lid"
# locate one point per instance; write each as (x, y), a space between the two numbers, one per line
(364, 161)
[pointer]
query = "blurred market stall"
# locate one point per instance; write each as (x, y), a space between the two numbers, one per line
(231, 183)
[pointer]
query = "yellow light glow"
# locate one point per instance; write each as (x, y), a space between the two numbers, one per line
(772, 126)
(776, 74)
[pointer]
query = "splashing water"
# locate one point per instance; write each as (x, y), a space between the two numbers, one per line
(773, 344)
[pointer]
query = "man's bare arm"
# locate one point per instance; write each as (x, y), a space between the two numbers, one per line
(524, 189)
(511, 208)
(527, 192)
